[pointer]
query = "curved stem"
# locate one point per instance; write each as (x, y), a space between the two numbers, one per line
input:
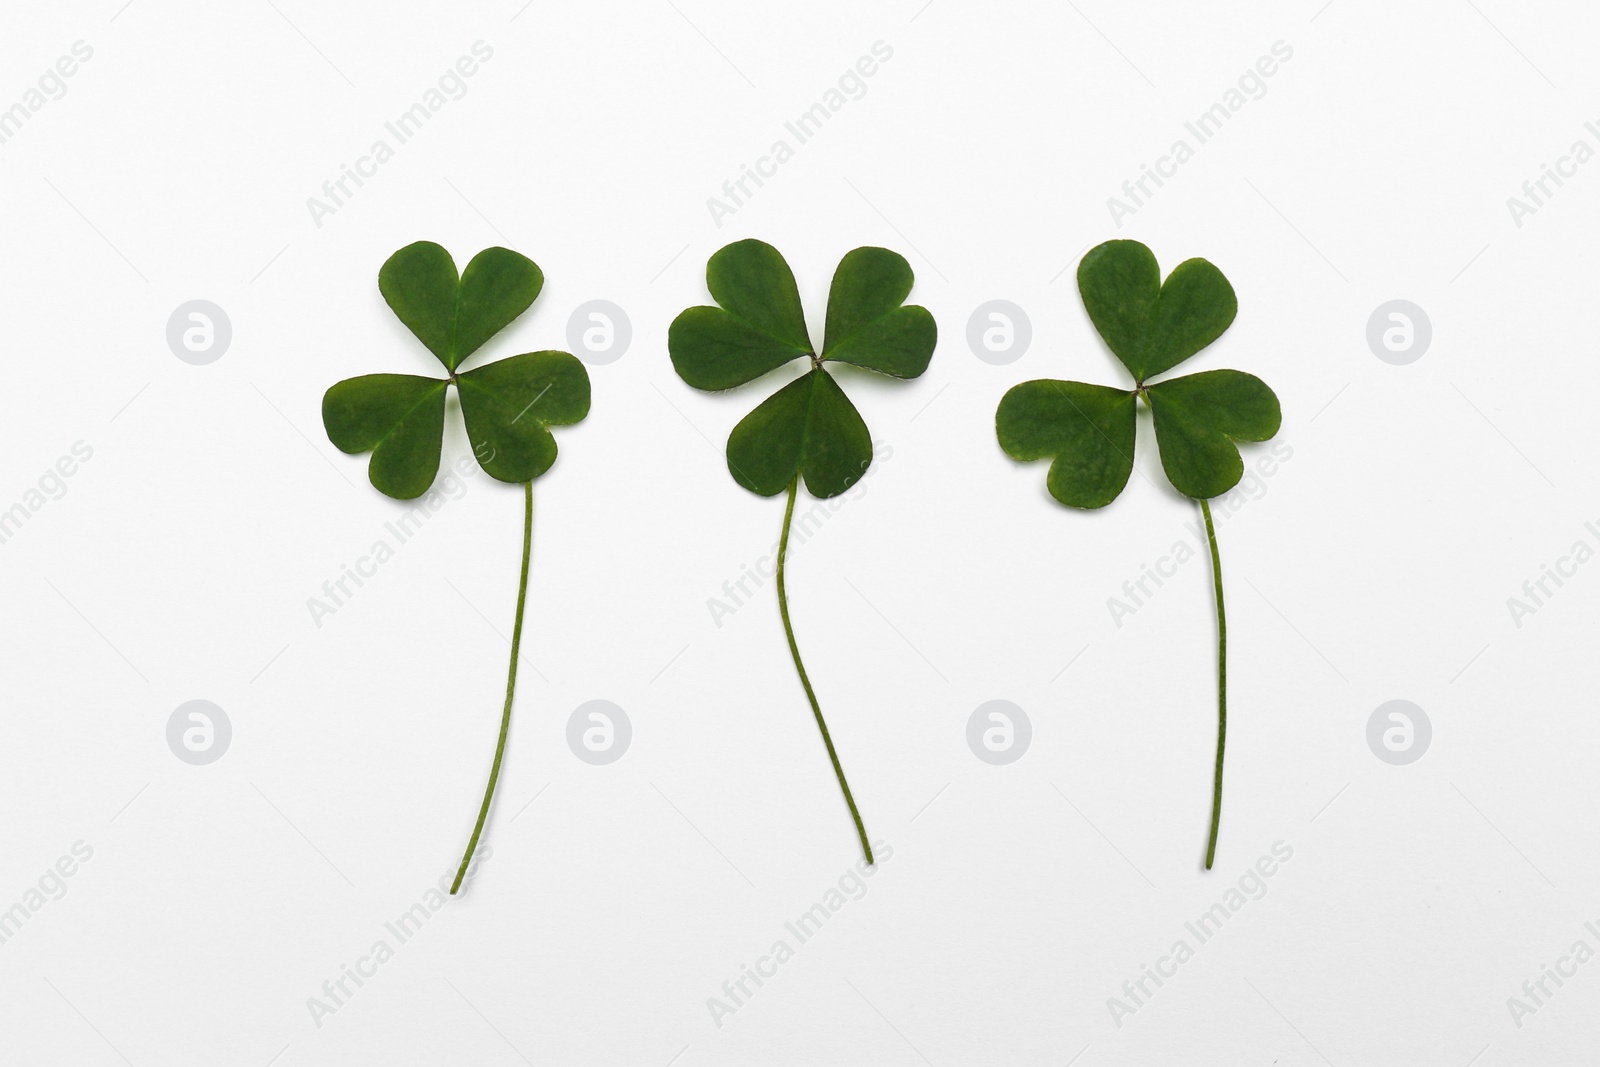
(794, 650)
(1222, 685)
(511, 686)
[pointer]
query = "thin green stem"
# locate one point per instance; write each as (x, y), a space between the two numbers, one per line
(1222, 685)
(794, 650)
(511, 686)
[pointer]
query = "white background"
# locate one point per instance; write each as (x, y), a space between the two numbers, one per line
(1374, 565)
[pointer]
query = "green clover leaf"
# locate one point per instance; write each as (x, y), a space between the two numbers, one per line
(508, 406)
(454, 315)
(1151, 326)
(399, 418)
(869, 323)
(1197, 419)
(808, 430)
(810, 423)
(758, 326)
(1087, 431)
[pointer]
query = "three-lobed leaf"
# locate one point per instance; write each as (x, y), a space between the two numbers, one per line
(1151, 326)
(508, 405)
(809, 428)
